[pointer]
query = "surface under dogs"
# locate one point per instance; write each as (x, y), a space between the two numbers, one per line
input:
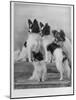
(23, 71)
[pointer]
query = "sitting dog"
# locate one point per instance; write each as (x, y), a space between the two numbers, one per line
(34, 37)
(40, 70)
(32, 41)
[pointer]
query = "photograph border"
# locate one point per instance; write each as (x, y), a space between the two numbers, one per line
(11, 49)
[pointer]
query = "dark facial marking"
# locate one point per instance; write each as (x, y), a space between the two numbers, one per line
(65, 58)
(46, 30)
(35, 27)
(37, 56)
(30, 23)
(41, 24)
(54, 32)
(62, 35)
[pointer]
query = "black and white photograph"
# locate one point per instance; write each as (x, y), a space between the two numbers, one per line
(41, 49)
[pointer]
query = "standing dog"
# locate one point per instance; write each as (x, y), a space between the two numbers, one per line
(65, 43)
(61, 60)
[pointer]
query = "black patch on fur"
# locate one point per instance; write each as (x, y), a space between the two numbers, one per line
(46, 30)
(51, 47)
(35, 27)
(54, 32)
(62, 35)
(25, 44)
(41, 24)
(29, 23)
(37, 56)
(65, 58)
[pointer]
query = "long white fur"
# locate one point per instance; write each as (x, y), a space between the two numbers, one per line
(67, 48)
(46, 40)
(33, 39)
(23, 54)
(40, 71)
(60, 65)
(16, 54)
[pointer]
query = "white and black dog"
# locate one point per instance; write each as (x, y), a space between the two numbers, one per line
(40, 69)
(65, 43)
(61, 59)
(34, 38)
(32, 42)
(47, 38)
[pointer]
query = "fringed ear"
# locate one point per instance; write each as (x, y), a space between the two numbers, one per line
(35, 21)
(41, 24)
(54, 32)
(29, 22)
(62, 34)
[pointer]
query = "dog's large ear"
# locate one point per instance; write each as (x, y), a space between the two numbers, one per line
(54, 32)
(29, 22)
(41, 24)
(62, 34)
(35, 21)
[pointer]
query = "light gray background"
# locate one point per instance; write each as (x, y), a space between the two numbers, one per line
(58, 17)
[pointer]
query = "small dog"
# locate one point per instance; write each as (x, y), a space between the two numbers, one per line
(47, 38)
(64, 42)
(61, 60)
(40, 70)
(32, 41)
(34, 38)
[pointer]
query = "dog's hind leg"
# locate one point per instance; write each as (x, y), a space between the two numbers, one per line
(60, 69)
(58, 60)
(44, 72)
(67, 68)
(29, 54)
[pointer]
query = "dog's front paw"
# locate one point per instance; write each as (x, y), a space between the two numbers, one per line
(30, 60)
(61, 78)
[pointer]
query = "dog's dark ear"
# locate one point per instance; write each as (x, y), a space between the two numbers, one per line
(35, 21)
(54, 32)
(62, 33)
(41, 24)
(29, 22)
(46, 24)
